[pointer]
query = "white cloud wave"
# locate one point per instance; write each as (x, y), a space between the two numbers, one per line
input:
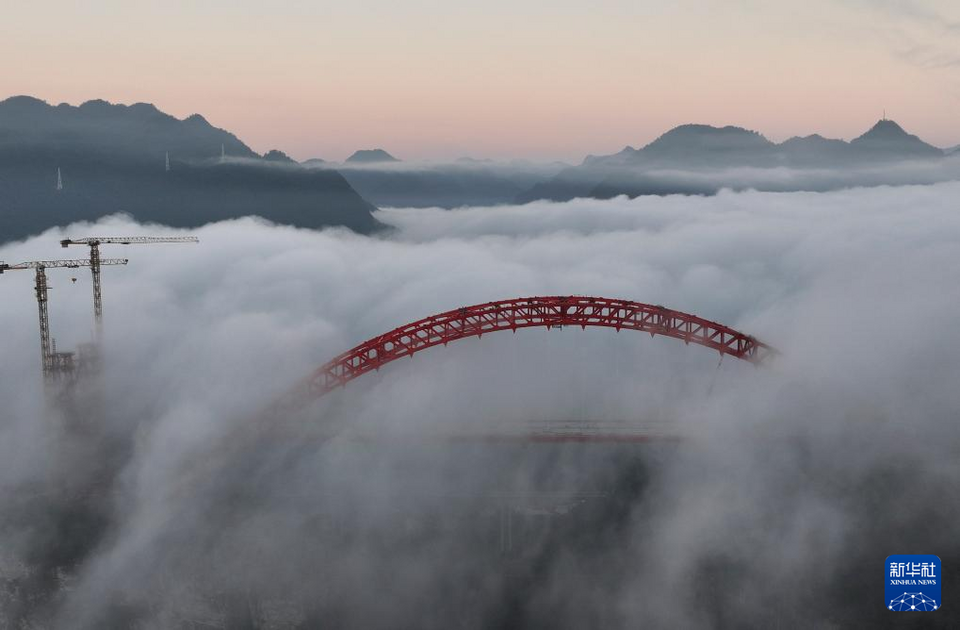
(857, 288)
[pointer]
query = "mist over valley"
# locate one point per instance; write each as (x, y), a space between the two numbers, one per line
(137, 506)
(479, 315)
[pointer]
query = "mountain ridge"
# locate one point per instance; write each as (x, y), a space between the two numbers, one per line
(141, 161)
(370, 156)
(129, 129)
(699, 146)
(887, 135)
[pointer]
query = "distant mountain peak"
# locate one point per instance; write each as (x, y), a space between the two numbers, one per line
(368, 156)
(886, 128)
(23, 101)
(813, 140)
(196, 119)
(276, 155)
(701, 129)
(96, 103)
(146, 108)
(888, 136)
(696, 141)
(99, 108)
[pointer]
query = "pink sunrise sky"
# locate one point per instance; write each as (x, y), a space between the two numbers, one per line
(529, 78)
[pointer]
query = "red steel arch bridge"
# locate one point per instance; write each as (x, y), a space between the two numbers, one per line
(513, 314)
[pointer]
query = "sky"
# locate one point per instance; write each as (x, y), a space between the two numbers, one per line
(798, 473)
(525, 78)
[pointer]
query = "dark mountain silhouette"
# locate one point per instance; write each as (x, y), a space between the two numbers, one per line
(814, 151)
(370, 156)
(702, 151)
(275, 155)
(685, 146)
(888, 139)
(112, 158)
(101, 127)
(694, 144)
(703, 143)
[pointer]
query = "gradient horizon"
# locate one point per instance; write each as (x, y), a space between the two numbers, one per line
(430, 80)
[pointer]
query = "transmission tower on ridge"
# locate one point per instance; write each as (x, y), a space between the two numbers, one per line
(94, 242)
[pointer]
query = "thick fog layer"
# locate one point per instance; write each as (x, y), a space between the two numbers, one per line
(763, 172)
(818, 176)
(789, 486)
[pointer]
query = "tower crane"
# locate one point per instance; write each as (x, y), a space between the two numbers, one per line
(53, 363)
(94, 242)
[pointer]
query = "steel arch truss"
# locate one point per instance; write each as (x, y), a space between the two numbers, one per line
(549, 312)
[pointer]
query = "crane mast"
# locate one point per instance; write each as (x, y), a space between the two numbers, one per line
(97, 299)
(40, 287)
(94, 242)
(52, 362)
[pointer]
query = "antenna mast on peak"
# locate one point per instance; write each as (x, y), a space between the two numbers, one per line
(59, 180)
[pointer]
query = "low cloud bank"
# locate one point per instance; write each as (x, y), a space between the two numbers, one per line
(765, 173)
(815, 178)
(794, 484)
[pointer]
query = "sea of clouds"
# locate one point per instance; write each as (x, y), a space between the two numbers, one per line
(795, 481)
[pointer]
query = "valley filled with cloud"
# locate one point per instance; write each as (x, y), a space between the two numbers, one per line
(790, 477)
